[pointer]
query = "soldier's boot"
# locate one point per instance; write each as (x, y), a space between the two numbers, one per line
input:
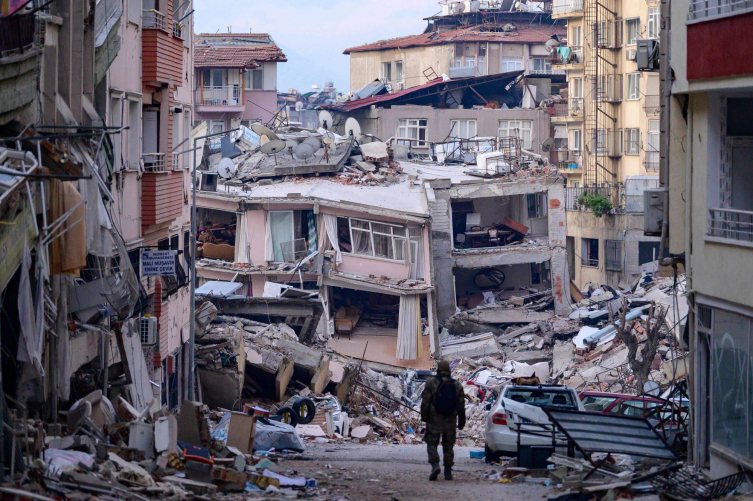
(447, 473)
(435, 471)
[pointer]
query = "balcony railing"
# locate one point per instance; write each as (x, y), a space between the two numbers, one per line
(154, 19)
(226, 95)
(652, 104)
(176, 161)
(573, 194)
(709, 9)
(546, 71)
(567, 54)
(567, 159)
(652, 161)
(731, 224)
(566, 6)
(177, 30)
(154, 162)
(16, 33)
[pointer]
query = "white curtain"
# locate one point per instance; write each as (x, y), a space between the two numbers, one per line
(409, 328)
(330, 224)
(269, 252)
(29, 342)
(242, 249)
(417, 261)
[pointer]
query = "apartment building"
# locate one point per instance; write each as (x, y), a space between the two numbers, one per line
(461, 44)
(609, 117)
(236, 79)
(709, 152)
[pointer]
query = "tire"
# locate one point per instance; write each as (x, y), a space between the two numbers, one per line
(306, 410)
(289, 416)
(491, 457)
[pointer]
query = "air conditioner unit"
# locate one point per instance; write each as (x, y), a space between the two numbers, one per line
(647, 55)
(148, 330)
(630, 54)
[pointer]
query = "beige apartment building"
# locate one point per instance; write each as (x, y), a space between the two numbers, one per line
(613, 133)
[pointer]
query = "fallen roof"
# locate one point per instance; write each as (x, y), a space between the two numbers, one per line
(523, 34)
(231, 50)
(430, 89)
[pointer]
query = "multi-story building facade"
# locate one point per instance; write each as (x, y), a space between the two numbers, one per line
(709, 151)
(236, 79)
(611, 122)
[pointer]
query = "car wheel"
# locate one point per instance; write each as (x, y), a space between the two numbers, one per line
(305, 409)
(491, 457)
(289, 416)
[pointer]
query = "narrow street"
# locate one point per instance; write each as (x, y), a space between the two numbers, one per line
(379, 472)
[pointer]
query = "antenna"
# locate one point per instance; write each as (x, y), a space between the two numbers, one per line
(353, 128)
(325, 119)
(226, 168)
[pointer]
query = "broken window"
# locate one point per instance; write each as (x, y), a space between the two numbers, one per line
(536, 205)
(521, 129)
(370, 238)
(589, 252)
(613, 250)
(463, 129)
(414, 129)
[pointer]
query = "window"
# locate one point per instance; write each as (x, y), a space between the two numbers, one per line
(613, 250)
(470, 61)
(281, 226)
(254, 79)
(134, 141)
(617, 33)
(576, 88)
(653, 22)
(615, 143)
(517, 128)
(634, 86)
(576, 40)
(632, 28)
(512, 64)
(537, 273)
(614, 90)
(542, 65)
(386, 74)
(576, 141)
(632, 141)
(599, 88)
(216, 126)
(187, 250)
(116, 120)
(594, 403)
(589, 252)
(599, 141)
(463, 129)
(481, 58)
(369, 238)
(600, 35)
(652, 146)
(536, 205)
(399, 72)
(134, 11)
(412, 128)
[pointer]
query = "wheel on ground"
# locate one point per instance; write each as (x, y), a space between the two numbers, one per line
(289, 416)
(306, 410)
(489, 456)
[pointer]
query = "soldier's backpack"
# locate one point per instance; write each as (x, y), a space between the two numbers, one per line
(446, 398)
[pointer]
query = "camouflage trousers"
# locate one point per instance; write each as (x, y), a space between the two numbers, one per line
(432, 438)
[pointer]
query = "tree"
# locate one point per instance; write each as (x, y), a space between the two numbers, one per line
(652, 327)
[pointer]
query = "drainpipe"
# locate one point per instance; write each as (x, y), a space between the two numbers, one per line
(692, 338)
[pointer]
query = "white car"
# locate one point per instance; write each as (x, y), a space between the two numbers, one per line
(523, 404)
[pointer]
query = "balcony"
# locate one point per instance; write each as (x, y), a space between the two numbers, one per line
(567, 110)
(162, 51)
(567, 57)
(19, 53)
(567, 8)
(702, 10)
(178, 30)
(652, 104)
(731, 224)
(219, 98)
(154, 162)
(610, 192)
(177, 165)
(161, 193)
(651, 162)
(570, 162)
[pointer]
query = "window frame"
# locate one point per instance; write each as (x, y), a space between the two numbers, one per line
(385, 71)
(586, 257)
(506, 60)
(292, 231)
(527, 142)
(538, 202)
(635, 24)
(636, 78)
(249, 79)
(613, 255)
(654, 18)
(407, 124)
(467, 122)
(394, 239)
(634, 142)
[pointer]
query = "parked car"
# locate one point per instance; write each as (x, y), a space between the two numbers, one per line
(619, 403)
(523, 404)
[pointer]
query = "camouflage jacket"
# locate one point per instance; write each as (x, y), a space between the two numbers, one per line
(429, 412)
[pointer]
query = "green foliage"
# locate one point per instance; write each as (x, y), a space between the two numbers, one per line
(598, 204)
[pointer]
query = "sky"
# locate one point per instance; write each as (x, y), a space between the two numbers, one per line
(314, 33)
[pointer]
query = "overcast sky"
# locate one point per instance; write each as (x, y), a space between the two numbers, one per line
(314, 33)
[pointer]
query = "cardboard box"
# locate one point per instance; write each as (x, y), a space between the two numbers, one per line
(241, 432)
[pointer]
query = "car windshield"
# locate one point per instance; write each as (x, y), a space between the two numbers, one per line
(542, 397)
(597, 403)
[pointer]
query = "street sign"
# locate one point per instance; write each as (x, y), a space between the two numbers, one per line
(157, 263)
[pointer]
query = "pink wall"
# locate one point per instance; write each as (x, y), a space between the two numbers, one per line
(373, 266)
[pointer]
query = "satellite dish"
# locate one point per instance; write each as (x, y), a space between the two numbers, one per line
(313, 142)
(329, 143)
(273, 147)
(263, 131)
(459, 7)
(551, 44)
(651, 388)
(325, 119)
(304, 151)
(298, 106)
(226, 168)
(353, 127)
(264, 139)
(547, 144)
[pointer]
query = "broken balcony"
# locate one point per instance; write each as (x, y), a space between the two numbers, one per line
(522, 284)
(499, 222)
(216, 235)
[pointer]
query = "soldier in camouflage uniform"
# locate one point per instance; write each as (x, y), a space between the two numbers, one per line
(441, 426)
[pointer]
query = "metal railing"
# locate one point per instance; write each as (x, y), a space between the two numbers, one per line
(707, 9)
(565, 6)
(732, 224)
(574, 57)
(176, 161)
(575, 106)
(652, 161)
(154, 19)
(225, 95)
(652, 104)
(177, 30)
(567, 159)
(16, 33)
(153, 162)
(573, 195)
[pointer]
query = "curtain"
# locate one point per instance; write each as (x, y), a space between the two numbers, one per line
(269, 253)
(409, 328)
(417, 261)
(330, 225)
(312, 242)
(29, 342)
(281, 224)
(242, 249)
